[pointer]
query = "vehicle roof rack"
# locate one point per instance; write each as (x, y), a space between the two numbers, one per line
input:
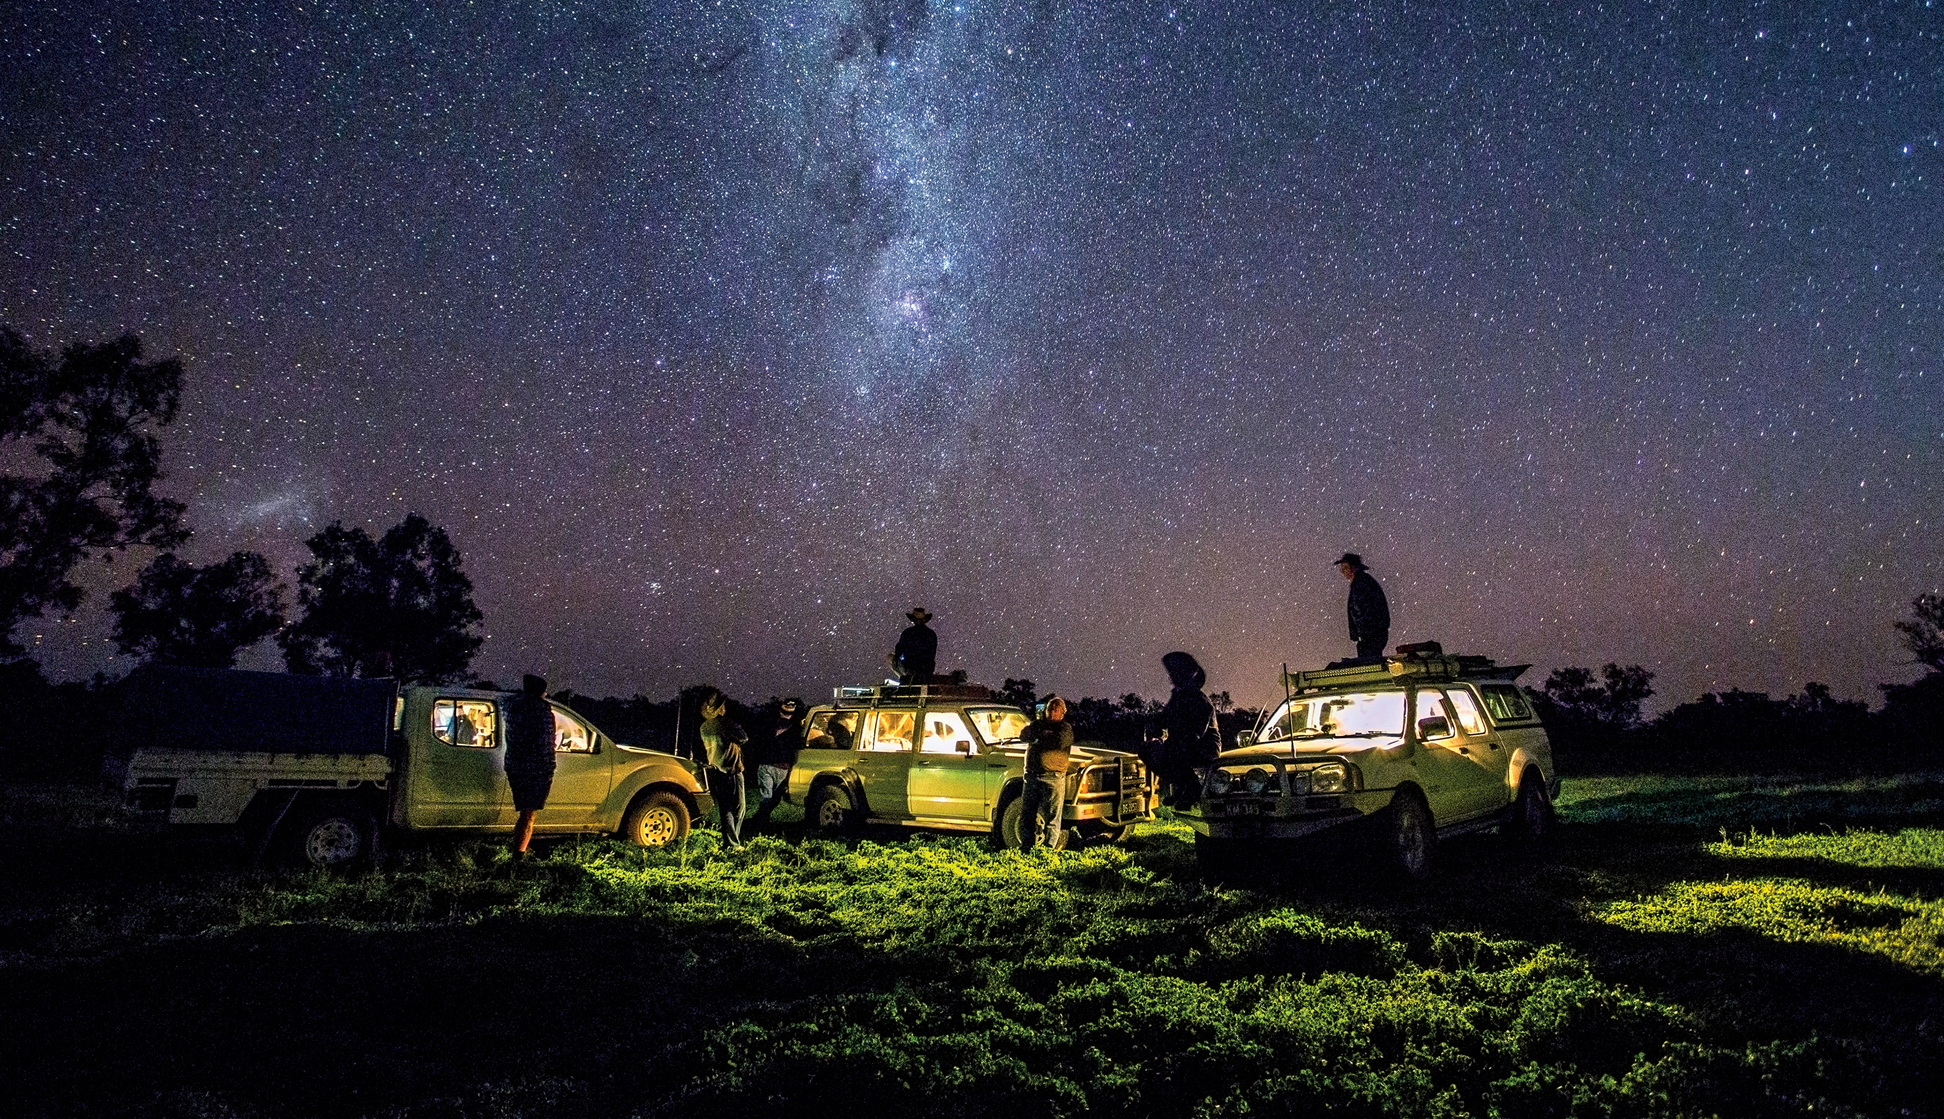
(855, 693)
(1413, 668)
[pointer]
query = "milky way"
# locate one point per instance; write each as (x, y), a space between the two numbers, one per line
(718, 335)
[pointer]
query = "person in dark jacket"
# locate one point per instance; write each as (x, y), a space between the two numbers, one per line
(1187, 734)
(776, 755)
(1369, 610)
(722, 745)
(529, 754)
(915, 659)
(1049, 753)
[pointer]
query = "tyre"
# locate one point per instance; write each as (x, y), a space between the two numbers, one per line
(1410, 835)
(1012, 816)
(655, 820)
(1531, 819)
(1109, 834)
(830, 809)
(329, 836)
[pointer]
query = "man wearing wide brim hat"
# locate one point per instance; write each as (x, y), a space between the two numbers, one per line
(1369, 609)
(916, 657)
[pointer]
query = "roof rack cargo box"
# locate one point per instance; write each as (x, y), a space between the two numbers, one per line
(172, 708)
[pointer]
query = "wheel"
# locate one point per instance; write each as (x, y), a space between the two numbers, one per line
(1109, 834)
(830, 808)
(329, 835)
(655, 820)
(1411, 835)
(1010, 819)
(1531, 819)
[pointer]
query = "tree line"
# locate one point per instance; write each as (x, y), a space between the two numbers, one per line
(80, 434)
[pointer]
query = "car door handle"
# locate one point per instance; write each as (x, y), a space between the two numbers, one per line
(1001, 765)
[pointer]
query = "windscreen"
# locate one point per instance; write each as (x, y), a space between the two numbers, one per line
(1344, 715)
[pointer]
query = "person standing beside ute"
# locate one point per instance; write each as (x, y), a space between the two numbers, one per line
(722, 744)
(1369, 610)
(529, 754)
(915, 659)
(1049, 753)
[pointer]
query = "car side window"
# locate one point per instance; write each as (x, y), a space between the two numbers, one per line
(1428, 707)
(1504, 703)
(1467, 708)
(465, 722)
(571, 736)
(945, 733)
(889, 732)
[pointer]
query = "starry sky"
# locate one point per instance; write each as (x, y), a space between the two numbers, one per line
(720, 334)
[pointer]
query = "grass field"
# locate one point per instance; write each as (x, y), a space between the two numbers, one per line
(1714, 946)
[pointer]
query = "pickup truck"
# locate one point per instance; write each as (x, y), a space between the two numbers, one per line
(315, 770)
(1421, 745)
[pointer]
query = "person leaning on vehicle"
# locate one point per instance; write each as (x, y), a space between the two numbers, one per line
(776, 755)
(1049, 752)
(1369, 609)
(722, 744)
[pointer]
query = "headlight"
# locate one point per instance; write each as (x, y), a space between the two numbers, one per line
(1220, 781)
(1256, 780)
(1333, 777)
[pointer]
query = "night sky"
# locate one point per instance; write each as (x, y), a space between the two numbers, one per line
(719, 334)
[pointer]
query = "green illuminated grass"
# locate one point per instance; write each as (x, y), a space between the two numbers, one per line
(1667, 958)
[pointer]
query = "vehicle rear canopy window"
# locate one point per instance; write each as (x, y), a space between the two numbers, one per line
(1505, 703)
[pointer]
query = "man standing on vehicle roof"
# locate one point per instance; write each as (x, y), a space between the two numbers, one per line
(1049, 753)
(1369, 610)
(529, 754)
(722, 743)
(916, 657)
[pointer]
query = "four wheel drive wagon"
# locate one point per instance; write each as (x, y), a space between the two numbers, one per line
(1421, 746)
(316, 768)
(949, 757)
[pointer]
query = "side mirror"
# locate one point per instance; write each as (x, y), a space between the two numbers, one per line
(1437, 726)
(965, 746)
(1244, 738)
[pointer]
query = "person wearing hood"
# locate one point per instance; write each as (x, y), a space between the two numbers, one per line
(1187, 731)
(1369, 609)
(916, 657)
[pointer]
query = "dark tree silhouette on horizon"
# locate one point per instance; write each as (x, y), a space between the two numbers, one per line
(1923, 632)
(86, 424)
(400, 606)
(178, 613)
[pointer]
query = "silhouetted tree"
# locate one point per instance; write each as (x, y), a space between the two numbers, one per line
(1923, 633)
(89, 420)
(1020, 692)
(178, 613)
(399, 606)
